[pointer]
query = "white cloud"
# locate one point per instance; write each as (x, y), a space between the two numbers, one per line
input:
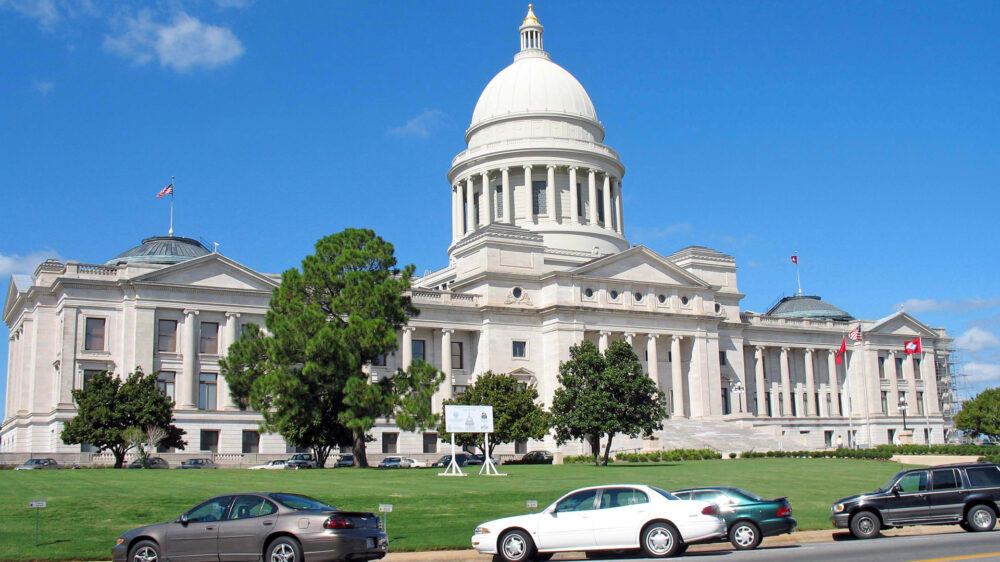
(26, 264)
(977, 339)
(182, 45)
(656, 232)
(962, 305)
(420, 126)
(42, 87)
(980, 373)
(43, 11)
(233, 3)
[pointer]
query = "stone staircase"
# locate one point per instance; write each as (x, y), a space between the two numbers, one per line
(722, 436)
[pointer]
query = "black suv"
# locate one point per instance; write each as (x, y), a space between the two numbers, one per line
(967, 494)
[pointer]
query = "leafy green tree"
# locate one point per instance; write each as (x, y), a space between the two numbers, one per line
(981, 415)
(604, 395)
(245, 362)
(109, 410)
(516, 414)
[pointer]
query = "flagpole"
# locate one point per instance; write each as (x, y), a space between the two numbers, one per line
(171, 231)
(851, 441)
(864, 379)
(797, 276)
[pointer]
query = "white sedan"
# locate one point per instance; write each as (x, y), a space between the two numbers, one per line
(278, 464)
(610, 517)
(414, 463)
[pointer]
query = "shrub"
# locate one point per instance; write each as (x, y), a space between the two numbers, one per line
(732, 455)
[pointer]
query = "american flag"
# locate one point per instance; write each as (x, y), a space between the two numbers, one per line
(855, 334)
(168, 190)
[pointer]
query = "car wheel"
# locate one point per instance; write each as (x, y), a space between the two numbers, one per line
(744, 535)
(144, 551)
(516, 546)
(966, 527)
(283, 549)
(980, 518)
(865, 525)
(660, 540)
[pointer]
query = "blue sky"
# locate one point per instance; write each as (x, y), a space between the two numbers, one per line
(863, 135)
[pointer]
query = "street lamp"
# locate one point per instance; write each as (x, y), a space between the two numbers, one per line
(902, 408)
(738, 390)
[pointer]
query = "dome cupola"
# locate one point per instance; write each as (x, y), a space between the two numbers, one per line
(808, 307)
(164, 250)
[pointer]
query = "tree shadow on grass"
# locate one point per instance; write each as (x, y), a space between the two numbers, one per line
(57, 541)
(660, 465)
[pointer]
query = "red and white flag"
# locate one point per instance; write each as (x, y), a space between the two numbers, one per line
(855, 334)
(795, 259)
(168, 190)
(842, 351)
(912, 346)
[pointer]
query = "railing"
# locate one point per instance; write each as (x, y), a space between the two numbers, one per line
(443, 297)
(760, 320)
(98, 270)
(540, 142)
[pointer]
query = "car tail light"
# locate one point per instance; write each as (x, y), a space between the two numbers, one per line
(378, 522)
(784, 511)
(338, 522)
(710, 509)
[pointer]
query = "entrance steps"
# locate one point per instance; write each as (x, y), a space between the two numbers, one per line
(723, 436)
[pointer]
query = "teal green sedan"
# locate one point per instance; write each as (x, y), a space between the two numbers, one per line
(749, 517)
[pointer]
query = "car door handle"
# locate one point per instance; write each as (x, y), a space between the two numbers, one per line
(267, 523)
(209, 528)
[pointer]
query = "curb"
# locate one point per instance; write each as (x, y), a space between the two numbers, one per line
(793, 539)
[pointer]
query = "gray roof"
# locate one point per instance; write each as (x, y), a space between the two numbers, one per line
(22, 282)
(162, 250)
(808, 306)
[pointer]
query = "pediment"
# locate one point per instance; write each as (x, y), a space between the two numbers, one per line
(213, 270)
(902, 324)
(12, 295)
(522, 372)
(640, 264)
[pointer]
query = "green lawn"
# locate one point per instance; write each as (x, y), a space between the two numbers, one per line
(87, 509)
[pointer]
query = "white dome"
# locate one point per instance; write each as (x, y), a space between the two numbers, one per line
(533, 85)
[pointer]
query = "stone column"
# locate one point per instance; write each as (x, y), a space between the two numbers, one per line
(607, 202)
(602, 344)
(508, 203)
(893, 376)
(834, 378)
(677, 376)
(574, 196)
(592, 195)
(810, 405)
(448, 386)
(653, 360)
(786, 383)
(531, 192)
(470, 207)
(9, 409)
(186, 388)
(550, 193)
(759, 381)
(629, 336)
(408, 348)
(618, 208)
(456, 217)
(232, 333)
(487, 199)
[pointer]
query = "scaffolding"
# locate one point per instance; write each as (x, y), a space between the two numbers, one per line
(952, 389)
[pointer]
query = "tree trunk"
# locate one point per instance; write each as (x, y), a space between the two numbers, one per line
(119, 454)
(360, 451)
(595, 448)
(321, 454)
(607, 448)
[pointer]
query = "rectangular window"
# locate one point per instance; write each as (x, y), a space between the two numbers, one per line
(251, 441)
(389, 441)
(165, 383)
(816, 396)
(722, 358)
(983, 476)
(88, 375)
(767, 403)
(94, 340)
(828, 439)
(521, 447)
(166, 336)
(579, 201)
(899, 367)
(944, 480)
(520, 349)
(430, 443)
(920, 403)
(885, 402)
(538, 202)
(209, 440)
(916, 367)
(475, 208)
(600, 205)
(292, 449)
(725, 402)
(379, 360)
(881, 367)
(206, 391)
(460, 389)
(210, 338)
(419, 347)
(456, 355)
(498, 191)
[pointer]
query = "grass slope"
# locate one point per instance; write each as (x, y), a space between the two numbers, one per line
(88, 509)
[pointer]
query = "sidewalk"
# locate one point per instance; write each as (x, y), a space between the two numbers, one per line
(801, 537)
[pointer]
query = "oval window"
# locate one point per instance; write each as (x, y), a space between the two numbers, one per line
(718, 307)
(614, 295)
(684, 300)
(662, 298)
(516, 292)
(588, 293)
(638, 297)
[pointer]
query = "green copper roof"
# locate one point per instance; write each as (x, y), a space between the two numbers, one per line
(809, 307)
(162, 250)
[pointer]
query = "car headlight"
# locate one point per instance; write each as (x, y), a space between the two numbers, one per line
(837, 508)
(482, 531)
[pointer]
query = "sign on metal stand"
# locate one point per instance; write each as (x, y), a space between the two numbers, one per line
(37, 505)
(385, 508)
(531, 504)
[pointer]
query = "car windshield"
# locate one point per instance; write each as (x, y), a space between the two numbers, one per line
(665, 494)
(34, 462)
(297, 502)
(888, 485)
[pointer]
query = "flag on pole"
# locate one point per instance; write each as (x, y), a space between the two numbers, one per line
(795, 259)
(842, 351)
(168, 190)
(855, 334)
(912, 346)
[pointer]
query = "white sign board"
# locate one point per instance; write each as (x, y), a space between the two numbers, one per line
(36, 503)
(385, 508)
(532, 504)
(468, 419)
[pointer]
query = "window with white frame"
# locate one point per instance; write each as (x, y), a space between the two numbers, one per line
(94, 334)
(166, 336)
(520, 349)
(165, 383)
(209, 338)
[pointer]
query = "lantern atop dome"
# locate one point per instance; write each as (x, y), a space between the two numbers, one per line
(531, 33)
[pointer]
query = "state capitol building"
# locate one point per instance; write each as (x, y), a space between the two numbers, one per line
(539, 261)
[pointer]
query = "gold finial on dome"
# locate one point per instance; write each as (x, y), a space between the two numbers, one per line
(530, 18)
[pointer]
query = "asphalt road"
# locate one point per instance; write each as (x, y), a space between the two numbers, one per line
(930, 548)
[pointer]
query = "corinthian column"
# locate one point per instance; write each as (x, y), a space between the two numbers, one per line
(550, 193)
(653, 360)
(456, 213)
(602, 343)
(834, 382)
(759, 381)
(187, 383)
(449, 391)
(530, 189)
(487, 199)
(676, 376)
(607, 203)
(592, 195)
(508, 204)
(408, 348)
(786, 384)
(618, 207)
(470, 206)
(574, 196)
(232, 333)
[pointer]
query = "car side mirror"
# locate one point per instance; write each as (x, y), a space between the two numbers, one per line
(896, 489)
(183, 519)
